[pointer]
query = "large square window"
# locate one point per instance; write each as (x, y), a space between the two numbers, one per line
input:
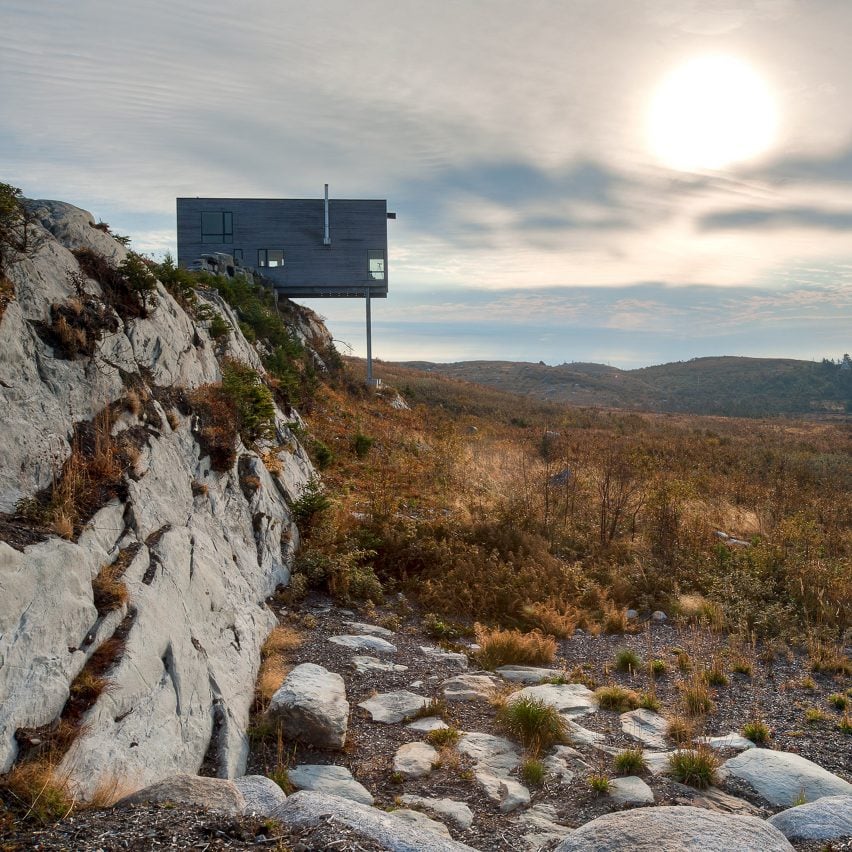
(217, 227)
(376, 261)
(270, 257)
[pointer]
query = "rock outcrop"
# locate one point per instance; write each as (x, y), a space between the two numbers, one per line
(198, 550)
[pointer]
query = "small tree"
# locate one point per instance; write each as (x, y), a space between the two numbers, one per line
(18, 237)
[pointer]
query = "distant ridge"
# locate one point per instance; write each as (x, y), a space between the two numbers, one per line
(727, 385)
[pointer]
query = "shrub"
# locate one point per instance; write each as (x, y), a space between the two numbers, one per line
(139, 279)
(838, 700)
(615, 620)
(627, 660)
(615, 697)
(649, 701)
(252, 401)
(361, 444)
(219, 327)
(512, 647)
(757, 731)
(323, 456)
(282, 640)
(657, 668)
(533, 772)
(311, 503)
(694, 766)
(533, 723)
(630, 761)
(18, 236)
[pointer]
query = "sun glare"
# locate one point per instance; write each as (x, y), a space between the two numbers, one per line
(710, 113)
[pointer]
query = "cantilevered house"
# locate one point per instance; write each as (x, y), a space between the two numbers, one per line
(307, 248)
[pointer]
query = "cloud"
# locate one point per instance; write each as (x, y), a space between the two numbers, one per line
(799, 217)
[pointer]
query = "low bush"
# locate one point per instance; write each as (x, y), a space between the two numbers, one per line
(533, 772)
(627, 660)
(533, 723)
(512, 647)
(615, 697)
(361, 444)
(441, 737)
(311, 502)
(252, 401)
(838, 700)
(757, 731)
(599, 783)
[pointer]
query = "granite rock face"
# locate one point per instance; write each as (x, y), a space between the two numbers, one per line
(199, 553)
(828, 818)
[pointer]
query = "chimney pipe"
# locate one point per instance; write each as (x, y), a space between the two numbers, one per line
(326, 240)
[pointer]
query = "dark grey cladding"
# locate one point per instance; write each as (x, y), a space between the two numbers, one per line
(259, 230)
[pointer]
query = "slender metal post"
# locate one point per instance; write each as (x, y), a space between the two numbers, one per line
(369, 339)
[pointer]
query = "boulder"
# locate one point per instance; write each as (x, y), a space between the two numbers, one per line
(364, 643)
(312, 707)
(392, 707)
(330, 779)
(429, 723)
(646, 726)
(508, 793)
(715, 799)
(495, 758)
(783, 778)
(658, 762)
(308, 810)
(366, 665)
(542, 827)
(583, 736)
(414, 760)
(732, 741)
(469, 687)
(262, 794)
(214, 794)
(571, 699)
(441, 655)
(674, 829)
(421, 821)
(828, 818)
(458, 812)
(526, 674)
(368, 629)
(630, 790)
(564, 762)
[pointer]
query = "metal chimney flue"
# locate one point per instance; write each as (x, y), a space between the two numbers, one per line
(326, 239)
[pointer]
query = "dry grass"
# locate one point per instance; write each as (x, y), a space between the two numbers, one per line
(615, 697)
(109, 592)
(35, 794)
(696, 696)
(282, 640)
(109, 790)
(512, 647)
(272, 672)
(558, 620)
(680, 729)
(695, 766)
(536, 725)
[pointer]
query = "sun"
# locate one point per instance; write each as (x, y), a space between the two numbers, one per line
(711, 112)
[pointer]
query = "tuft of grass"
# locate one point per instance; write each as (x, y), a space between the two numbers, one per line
(630, 761)
(436, 707)
(649, 701)
(815, 715)
(807, 682)
(838, 700)
(599, 783)
(533, 772)
(694, 766)
(512, 647)
(757, 731)
(108, 590)
(615, 697)
(829, 659)
(615, 621)
(533, 723)
(34, 793)
(684, 662)
(845, 724)
(696, 697)
(627, 660)
(282, 640)
(715, 674)
(680, 729)
(657, 668)
(443, 737)
(741, 665)
(272, 672)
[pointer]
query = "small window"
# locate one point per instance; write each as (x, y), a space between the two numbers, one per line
(376, 260)
(270, 257)
(238, 255)
(217, 227)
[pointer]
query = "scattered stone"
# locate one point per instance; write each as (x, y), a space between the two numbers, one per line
(421, 821)
(458, 812)
(469, 687)
(392, 707)
(733, 741)
(828, 818)
(364, 643)
(428, 723)
(583, 736)
(215, 794)
(307, 810)
(414, 760)
(331, 780)
(646, 726)
(571, 699)
(365, 665)
(496, 754)
(416, 684)
(312, 707)
(507, 792)
(674, 829)
(563, 763)
(543, 827)
(452, 658)
(526, 674)
(262, 794)
(361, 627)
(783, 778)
(631, 615)
(630, 790)
(715, 799)
(658, 761)
(659, 616)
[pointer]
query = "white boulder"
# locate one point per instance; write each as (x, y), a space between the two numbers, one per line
(330, 779)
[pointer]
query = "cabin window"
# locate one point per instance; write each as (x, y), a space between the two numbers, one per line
(217, 227)
(376, 261)
(270, 257)
(238, 255)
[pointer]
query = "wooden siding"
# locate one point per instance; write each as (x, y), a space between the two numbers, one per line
(296, 227)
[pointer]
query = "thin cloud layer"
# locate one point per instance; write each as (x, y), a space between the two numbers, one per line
(510, 138)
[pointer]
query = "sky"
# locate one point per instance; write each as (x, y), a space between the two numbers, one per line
(623, 181)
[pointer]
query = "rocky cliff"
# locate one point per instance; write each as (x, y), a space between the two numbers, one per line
(130, 632)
